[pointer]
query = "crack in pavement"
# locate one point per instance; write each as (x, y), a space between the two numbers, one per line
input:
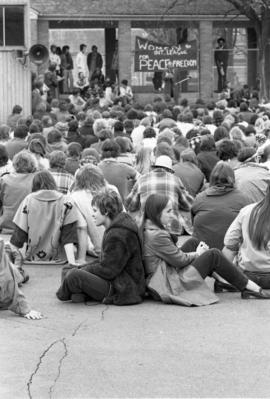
(45, 352)
(77, 328)
(103, 311)
(63, 341)
(30, 381)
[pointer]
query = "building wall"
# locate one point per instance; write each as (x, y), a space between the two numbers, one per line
(15, 85)
(117, 8)
(15, 78)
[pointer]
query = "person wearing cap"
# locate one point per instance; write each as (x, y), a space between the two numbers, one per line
(162, 180)
(221, 60)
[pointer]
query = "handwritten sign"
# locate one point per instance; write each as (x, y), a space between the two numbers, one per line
(151, 56)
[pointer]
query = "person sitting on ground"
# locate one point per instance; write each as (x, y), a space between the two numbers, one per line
(247, 241)
(4, 134)
(63, 179)
(265, 157)
(52, 239)
(176, 275)
(118, 129)
(15, 186)
(89, 180)
(56, 141)
(228, 151)
(89, 156)
(5, 163)
(14, 117)
(119, 174)
(215, 208)
(18, 142)
(126, 151)
(37, 148)
(125, 92)
(161, 179)
(251, 178)
(149, 138)
(11, 297)
(87, 132)
(207, 157)
(118, 276)
(73, 157)
(189, 173)
(77, 100)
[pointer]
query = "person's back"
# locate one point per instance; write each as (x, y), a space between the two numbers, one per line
(207, 161)
(53, 211)
(237, 238)
(14, 188)
(252, 180)
(14, 146)
(162, 180)
(119, 174)
(18, 143)
(213, 211)
(191, 176)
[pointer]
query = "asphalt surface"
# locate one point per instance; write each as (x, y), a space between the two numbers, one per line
(150, 350)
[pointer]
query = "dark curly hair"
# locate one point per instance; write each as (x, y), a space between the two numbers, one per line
(108, 202)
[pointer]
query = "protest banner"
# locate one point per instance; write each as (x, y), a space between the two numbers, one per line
(151, 56)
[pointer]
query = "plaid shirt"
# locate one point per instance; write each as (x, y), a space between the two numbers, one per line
(63, 180)
(159, 181)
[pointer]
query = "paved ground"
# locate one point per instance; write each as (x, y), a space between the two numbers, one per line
(149, 350)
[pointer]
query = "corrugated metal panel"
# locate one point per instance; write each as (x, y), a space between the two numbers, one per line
(15, 85)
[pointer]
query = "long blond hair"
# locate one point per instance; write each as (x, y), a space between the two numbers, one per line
(143, 160)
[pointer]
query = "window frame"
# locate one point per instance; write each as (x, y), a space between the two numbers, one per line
(5, 47)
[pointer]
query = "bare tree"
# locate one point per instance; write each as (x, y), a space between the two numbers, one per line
(258, 11)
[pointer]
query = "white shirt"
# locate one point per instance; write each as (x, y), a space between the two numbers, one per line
(81, 63)
(126, 91)
(55, 59)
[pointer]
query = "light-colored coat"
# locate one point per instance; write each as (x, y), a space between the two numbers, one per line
(170, 276)
(10, 296)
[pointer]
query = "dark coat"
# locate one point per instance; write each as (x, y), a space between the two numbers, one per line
(99, 60)
(213, 211)
(121, 262)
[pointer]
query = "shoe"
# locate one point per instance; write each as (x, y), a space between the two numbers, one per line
(220, 287)
(246, 294)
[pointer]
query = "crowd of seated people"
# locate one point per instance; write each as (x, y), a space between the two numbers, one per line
(117, 187)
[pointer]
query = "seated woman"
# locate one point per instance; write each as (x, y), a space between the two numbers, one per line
(14, 187)
(47, 221)
(176, 275)
(11, 297)
(247, 241)
(118, 277)
(89, 180)
(215, 208)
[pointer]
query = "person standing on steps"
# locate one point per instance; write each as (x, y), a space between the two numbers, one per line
(221, 60)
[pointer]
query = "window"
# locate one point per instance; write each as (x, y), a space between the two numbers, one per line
(12, 26)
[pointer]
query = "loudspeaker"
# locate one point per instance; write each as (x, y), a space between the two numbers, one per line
(38, 54)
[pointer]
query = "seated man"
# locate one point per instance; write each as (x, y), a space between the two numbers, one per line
(118, 276)
(125, 92)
